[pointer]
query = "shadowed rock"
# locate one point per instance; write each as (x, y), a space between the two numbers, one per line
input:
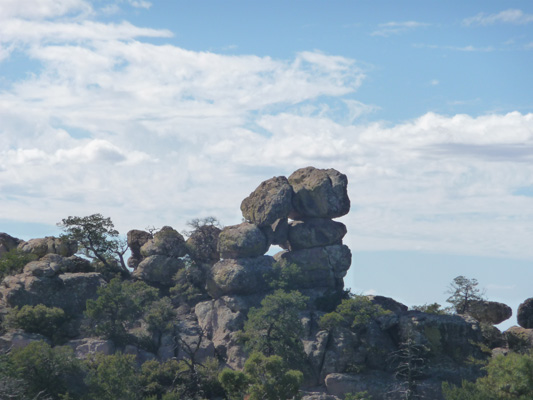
(490, 312)
(158, 270)
(8, 243)
(525, 314)
(166, 242)
(241, 241)
(315, 232)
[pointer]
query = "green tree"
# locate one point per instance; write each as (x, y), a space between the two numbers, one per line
(508, 377)
(47, 321)
(13, 262)
(434, 308)
(264, 378)
(47, 371)
(160, 317)
(98, 240)
(275, 328)
(118, 304)
(113, 377)
(463, 292)
(352, 313)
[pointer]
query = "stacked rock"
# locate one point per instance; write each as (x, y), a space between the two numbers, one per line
(310, 198)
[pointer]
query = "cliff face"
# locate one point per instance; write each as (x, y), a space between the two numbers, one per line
(216, 275)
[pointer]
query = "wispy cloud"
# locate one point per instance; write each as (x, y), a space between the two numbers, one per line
(510, 16)
(467, 48)
(395, 28)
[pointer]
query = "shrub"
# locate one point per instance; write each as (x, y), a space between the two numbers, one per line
(13, 262)
(47, 321)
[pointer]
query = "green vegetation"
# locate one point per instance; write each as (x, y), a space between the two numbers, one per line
(433, 308)
(463, 292)
(47, 321)
(286, 277)
(508, 377)
(352, 313)
(275, 327)
(118, 305)
(98, 240)
(13, 262)
(264, 378)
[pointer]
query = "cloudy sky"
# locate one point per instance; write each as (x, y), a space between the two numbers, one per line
(157, 112)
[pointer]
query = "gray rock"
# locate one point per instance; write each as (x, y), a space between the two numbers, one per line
(202, 244)
(490, 312)
(18, 339)
(8, 243)
(136, 239)
(166, 242)
(239, 276)
(388, 303)
(53, 264)
(525, 314)
(519, 339)
(241, 241)
(319, 193)
(315, 232)
(49, 245)
(322, 267)
(158, 269)
(87, 346)
(271, 201)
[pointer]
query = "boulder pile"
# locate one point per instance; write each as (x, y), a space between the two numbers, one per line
(296, 214)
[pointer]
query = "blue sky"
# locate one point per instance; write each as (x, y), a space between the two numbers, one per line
(157, 112)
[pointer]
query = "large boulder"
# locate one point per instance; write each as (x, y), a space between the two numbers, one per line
(241, 241)
(159, 270)
(49, 245)
(54, 264)
(315, 232)
(271, 201)
(239, 276)
(490, 312)
(17, 339)
(8, 243)
(525, 314)
(86, 347)
(136, 239)
(202, 244)
(322, 267)
(319, 193)
(388, 303)
(519, 339)
(166, 242)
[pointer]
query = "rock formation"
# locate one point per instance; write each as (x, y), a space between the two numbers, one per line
(525, 314)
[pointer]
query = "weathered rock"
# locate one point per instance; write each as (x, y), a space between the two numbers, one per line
(158, 269)
(388, 303)
(54, 264)
(271, 201)
(202, 244)
(49, 245)
(492, 336)
(315, 232)
(525, 314)
(319, 193)
(490, 312)
(8, 242)
(241, 241)
(87, 346)
(318, 396)
(166, 242)
(519, 339)
(136, 239)
(239, 276)
(322, 267)
(192, 340)
(17, 339)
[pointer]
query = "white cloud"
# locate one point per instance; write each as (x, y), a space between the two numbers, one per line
(42, 9)
(395, 28)
(510, 16)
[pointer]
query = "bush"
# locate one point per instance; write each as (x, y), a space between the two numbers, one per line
(47, 321)
(13, 262)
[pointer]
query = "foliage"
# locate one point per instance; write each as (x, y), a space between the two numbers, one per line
(160, 316)
(286, 277)
(508, 377)
(357, 396)
(47, 371)
(97, 239)
(433, 308)
(47, 321)
(13, 262)
(331, 299)
(463, 292)
(264, 378)
(353, 313)
(118, 304)
(275, 327)
(113, 377)
(190, 283)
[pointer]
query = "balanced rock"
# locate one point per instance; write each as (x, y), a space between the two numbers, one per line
(166, 242)
(239, 276)
(490, 312)
(202, 244)
(49, 245)
(315, 232)
(158, 269)
(271, 201)
(525, 314)
(519, 339)
(241, 241)
(136, 239)
(322, 267)
(319, 193)
(8, 243)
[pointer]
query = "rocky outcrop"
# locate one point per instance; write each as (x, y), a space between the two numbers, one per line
(166, 242)
(202, 244)
(158, 270)
(315, 232)
(519, 339)
(525, 314)
(490, 312)
(136, 239)
(242, 241)
(8, 243)
(49, 245)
